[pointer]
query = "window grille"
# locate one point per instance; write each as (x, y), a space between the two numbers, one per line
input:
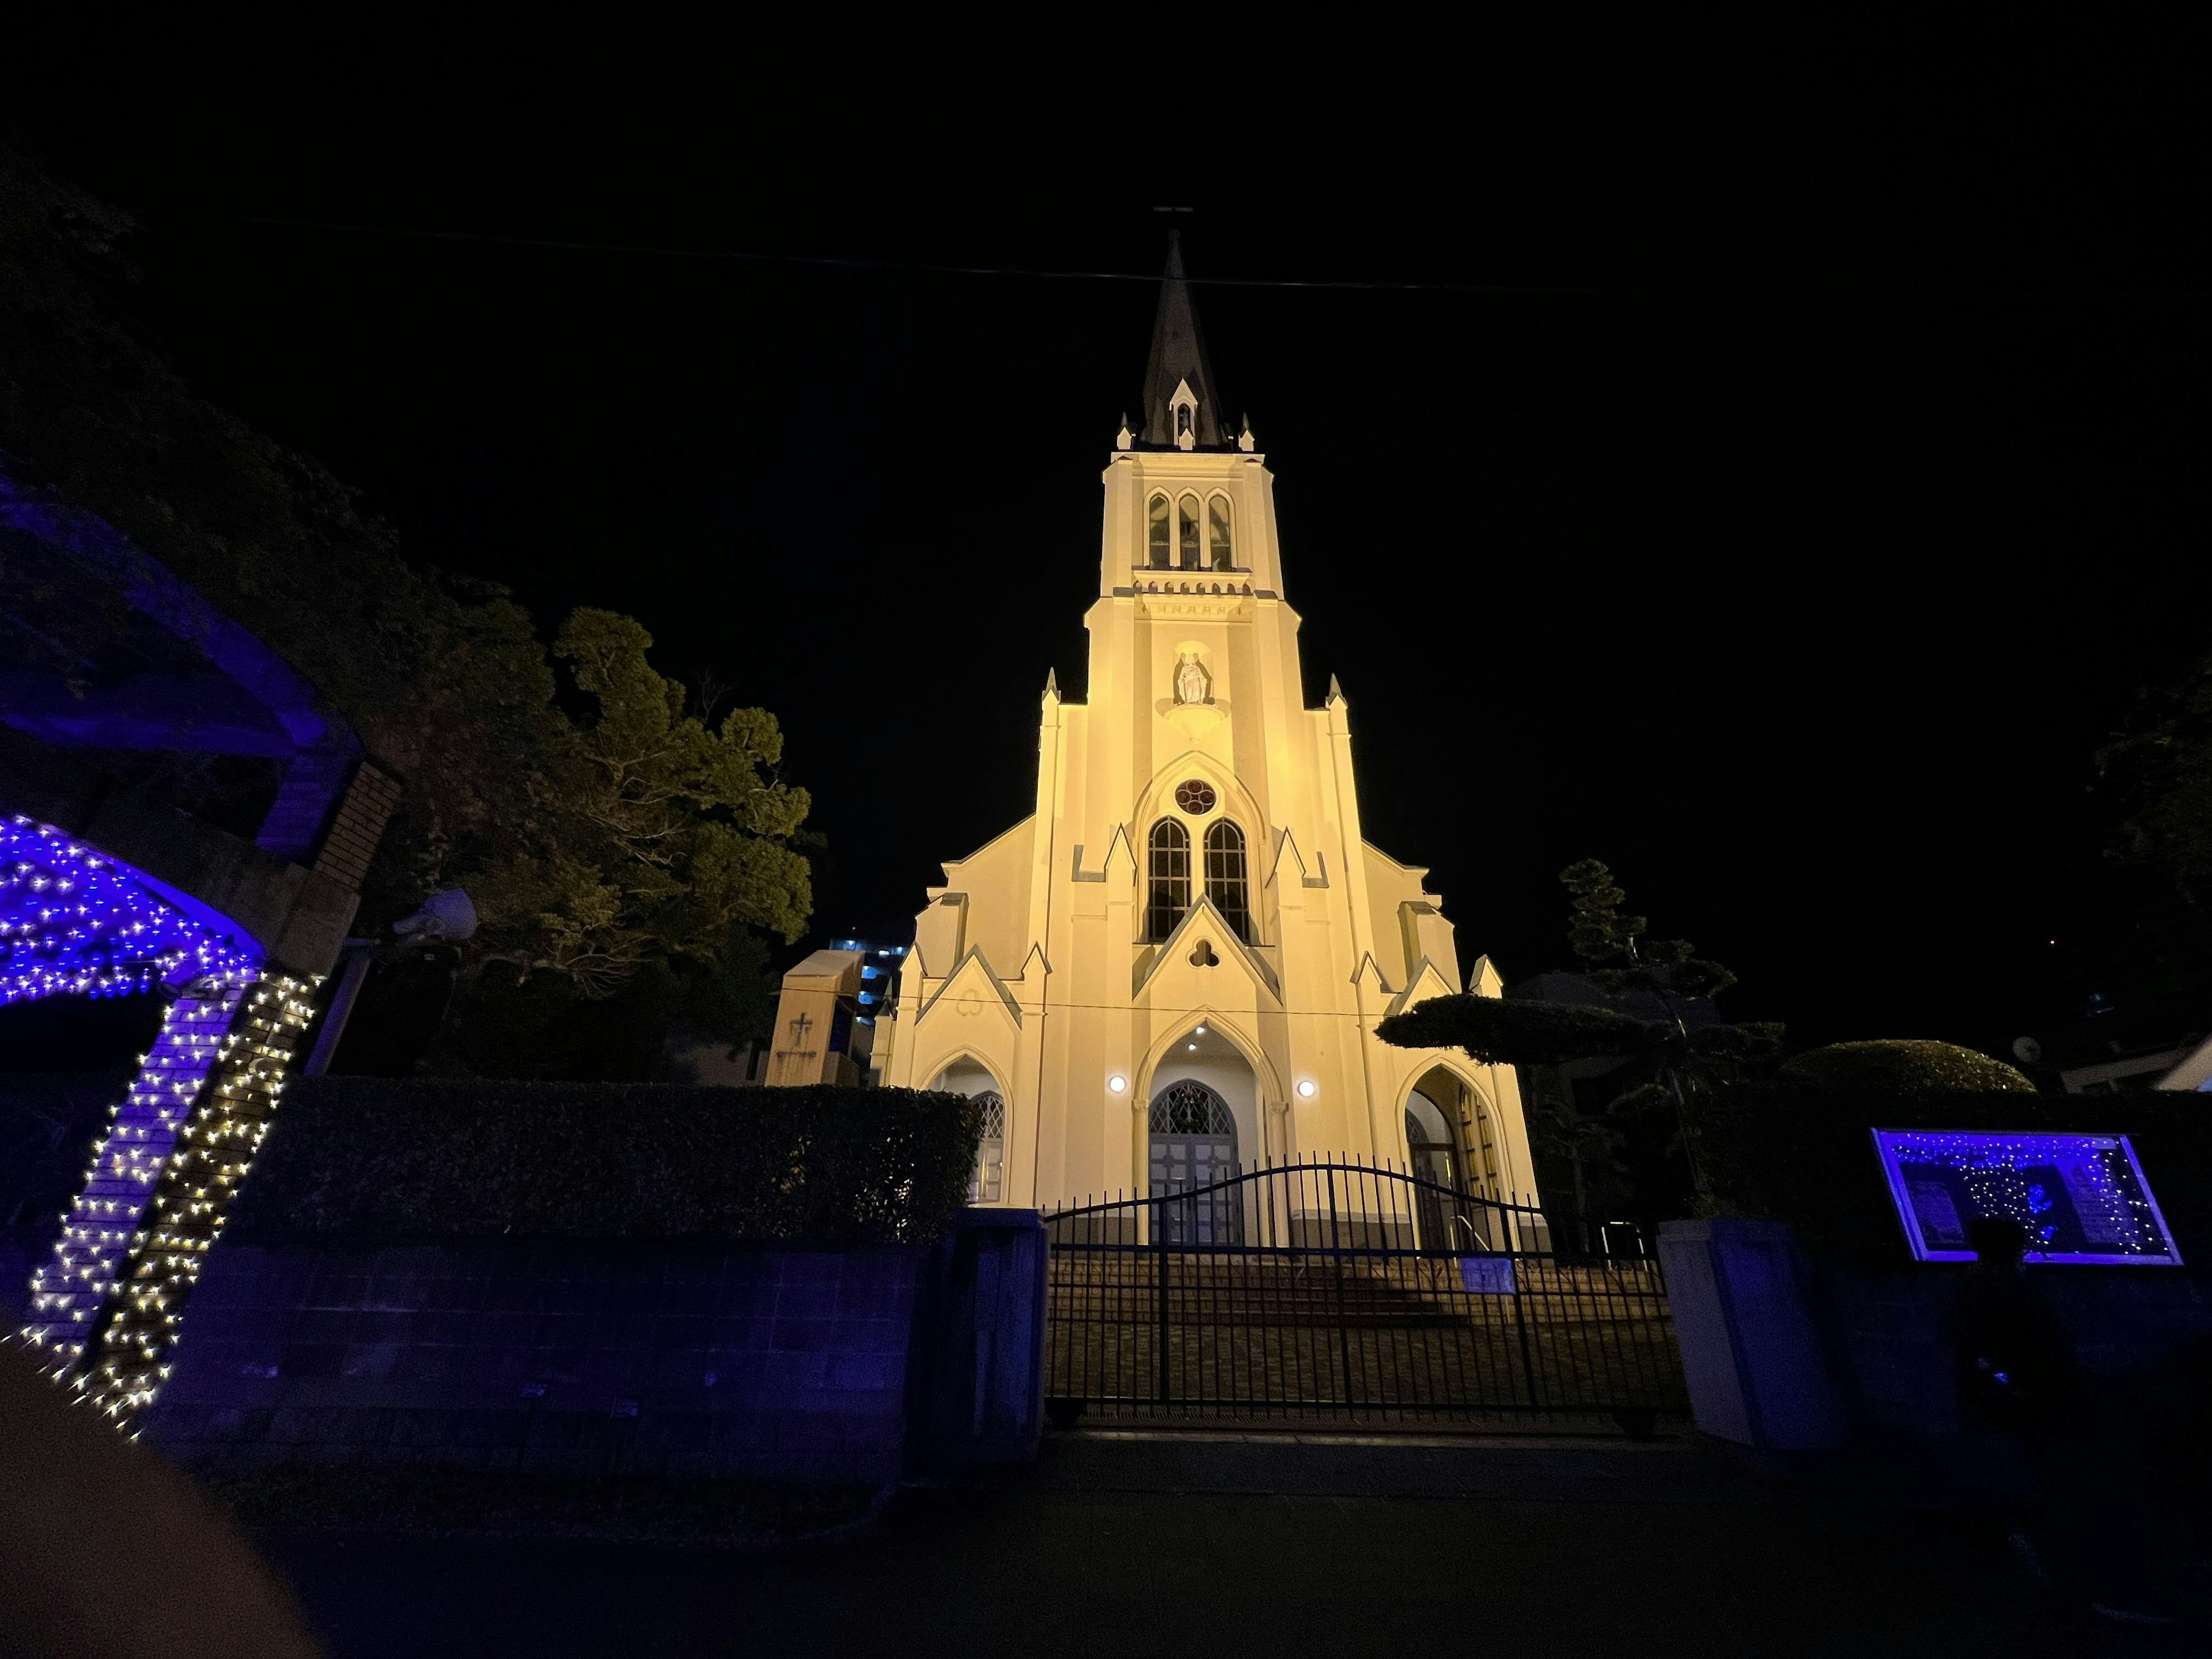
(1188, 1107)
(1187, 527)
(1225, 882)
(1156, 533)
(1170, 895)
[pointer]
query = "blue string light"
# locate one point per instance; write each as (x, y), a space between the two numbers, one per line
(1941, 1178)
(75, 922)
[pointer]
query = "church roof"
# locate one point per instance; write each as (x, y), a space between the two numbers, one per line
(1179, 357)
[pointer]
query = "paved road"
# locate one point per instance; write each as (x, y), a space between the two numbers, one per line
(1130, 1547)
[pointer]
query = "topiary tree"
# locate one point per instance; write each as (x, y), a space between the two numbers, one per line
(1678, 1061)
(1621, 958)
(1898, 1066)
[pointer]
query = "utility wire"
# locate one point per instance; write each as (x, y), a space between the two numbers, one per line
(839, 262)
(856, 262)
(1052, 1006)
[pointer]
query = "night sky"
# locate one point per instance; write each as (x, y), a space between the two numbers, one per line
(1796, 463)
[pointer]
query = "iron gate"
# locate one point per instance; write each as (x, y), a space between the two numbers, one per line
(1346, 1290)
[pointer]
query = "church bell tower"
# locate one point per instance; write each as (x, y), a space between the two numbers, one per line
(1175, 965)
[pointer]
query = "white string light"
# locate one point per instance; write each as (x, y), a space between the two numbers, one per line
(73, 922)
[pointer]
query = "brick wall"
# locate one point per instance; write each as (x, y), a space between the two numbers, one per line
(651, 1357)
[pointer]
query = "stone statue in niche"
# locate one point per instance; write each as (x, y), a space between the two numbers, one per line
(1190, 684)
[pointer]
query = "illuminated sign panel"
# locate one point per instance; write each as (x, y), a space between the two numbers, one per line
(2082, 1198)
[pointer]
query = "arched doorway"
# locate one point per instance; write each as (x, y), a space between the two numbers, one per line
(1432, 1155)
(1194, 1147)
(1204, 1114)
(1450, 1152)
(987, 1182)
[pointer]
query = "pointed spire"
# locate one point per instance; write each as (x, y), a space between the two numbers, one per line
(1179, 360)
(1052, 682)
(1335, 695)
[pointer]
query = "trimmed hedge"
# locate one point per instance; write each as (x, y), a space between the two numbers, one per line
(1894, 1064)
(1789, 1149)
(407, 1159)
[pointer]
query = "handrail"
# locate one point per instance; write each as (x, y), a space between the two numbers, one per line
(1313, 1166)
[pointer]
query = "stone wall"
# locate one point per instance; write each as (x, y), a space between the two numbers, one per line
(580, 1355)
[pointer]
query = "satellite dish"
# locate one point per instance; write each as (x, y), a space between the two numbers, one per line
(2026, 1050)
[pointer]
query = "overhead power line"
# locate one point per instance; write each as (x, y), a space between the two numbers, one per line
(852, 262)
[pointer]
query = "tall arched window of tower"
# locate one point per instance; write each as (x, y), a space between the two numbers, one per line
(1225, 883)
(1170, 891)
(1220, 543)
(1156, 533)
(1187, 512)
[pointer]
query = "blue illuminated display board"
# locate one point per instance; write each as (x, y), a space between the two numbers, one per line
(2082, 1197)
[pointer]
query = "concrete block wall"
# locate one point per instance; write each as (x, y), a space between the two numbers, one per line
(585, 1356)
(1892, 1328)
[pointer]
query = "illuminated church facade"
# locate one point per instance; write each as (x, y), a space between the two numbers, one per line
(1175, 964)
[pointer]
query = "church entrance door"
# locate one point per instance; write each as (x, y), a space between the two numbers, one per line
(1447, 1223)
(1193, 1145)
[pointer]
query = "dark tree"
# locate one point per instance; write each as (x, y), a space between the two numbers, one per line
(1621, 958)
(1678, 1060)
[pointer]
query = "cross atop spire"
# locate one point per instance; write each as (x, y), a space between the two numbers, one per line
(1178, 371)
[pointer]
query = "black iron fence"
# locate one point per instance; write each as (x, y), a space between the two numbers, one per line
(1346, 1289)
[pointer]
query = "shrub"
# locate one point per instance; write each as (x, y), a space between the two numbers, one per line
(1791, 1149)
(1898, 1066)
(396, 1159)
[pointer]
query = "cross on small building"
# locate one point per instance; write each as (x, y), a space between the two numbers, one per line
(800, 1027)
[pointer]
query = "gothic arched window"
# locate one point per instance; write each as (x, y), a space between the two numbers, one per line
(1183, 413)
(1156, 533)
(987, 1184)
(1219, 544)
(1169, 893)
(1187, 514)
(1225, 883)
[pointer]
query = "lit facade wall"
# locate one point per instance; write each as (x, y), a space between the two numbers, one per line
(1034, 962)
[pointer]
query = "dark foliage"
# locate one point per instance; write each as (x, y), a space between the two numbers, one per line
(373, 1157)
(1753, 1041)
(600, 832)
(2156, 781)
(1499, 1032)
(1900, 1065)
(1622, 958)
(1790, 1149)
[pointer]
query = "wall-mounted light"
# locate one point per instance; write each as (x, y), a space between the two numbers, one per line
(1308, 1088)
(1117, 1083)
(1202, 1030)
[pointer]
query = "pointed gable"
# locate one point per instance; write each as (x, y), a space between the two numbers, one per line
(1203, 921)
(1422, 985)
(971, 987)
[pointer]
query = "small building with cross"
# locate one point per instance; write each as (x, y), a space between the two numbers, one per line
(819, 1036)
